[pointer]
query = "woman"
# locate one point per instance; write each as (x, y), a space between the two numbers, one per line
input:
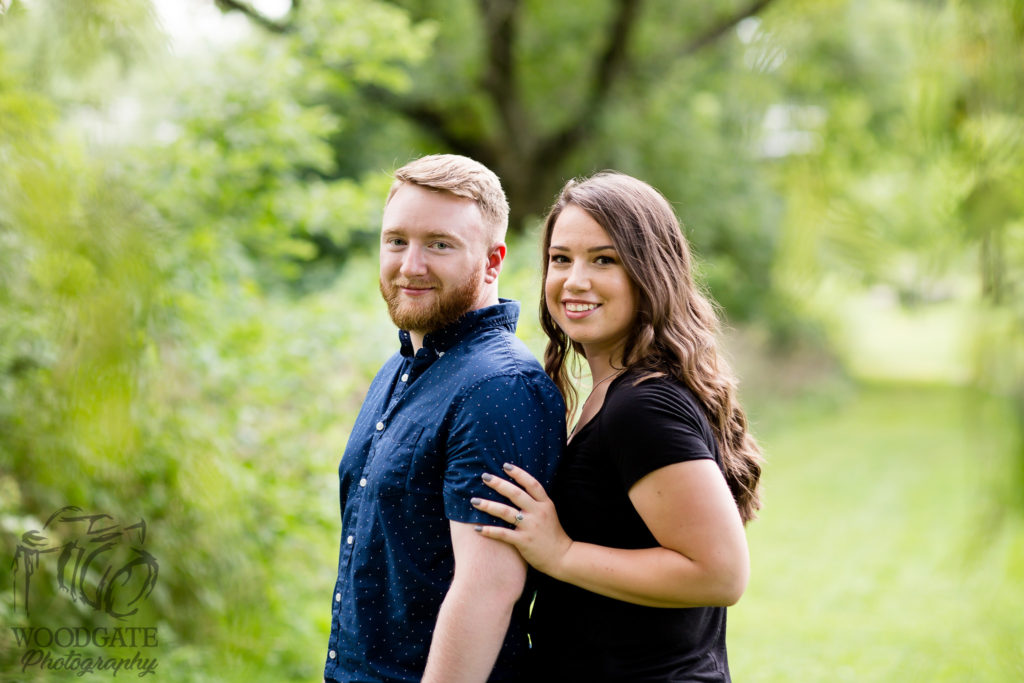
(660, 473)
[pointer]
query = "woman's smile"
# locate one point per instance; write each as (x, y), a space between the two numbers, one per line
(579, 309)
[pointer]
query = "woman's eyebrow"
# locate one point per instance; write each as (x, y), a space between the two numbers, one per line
(558, 247)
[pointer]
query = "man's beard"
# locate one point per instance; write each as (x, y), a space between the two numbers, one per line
(447, 304)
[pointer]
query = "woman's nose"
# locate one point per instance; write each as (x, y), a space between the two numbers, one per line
(577, 278)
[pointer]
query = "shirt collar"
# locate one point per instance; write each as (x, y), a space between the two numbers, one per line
(503, 314)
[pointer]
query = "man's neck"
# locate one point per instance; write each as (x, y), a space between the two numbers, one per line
(416, 336)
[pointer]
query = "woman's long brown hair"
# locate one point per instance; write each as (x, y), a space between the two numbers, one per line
(676, 325)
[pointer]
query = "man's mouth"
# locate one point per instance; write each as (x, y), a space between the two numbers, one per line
(416, 291)
(415, 288)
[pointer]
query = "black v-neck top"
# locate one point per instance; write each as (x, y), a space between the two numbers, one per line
(582, 636)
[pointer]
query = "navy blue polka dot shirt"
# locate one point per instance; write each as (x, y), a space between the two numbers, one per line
(471, 399)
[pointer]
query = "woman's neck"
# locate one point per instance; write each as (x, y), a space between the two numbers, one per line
(603, 369)
(603, 365)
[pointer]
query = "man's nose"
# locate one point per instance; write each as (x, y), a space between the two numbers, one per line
(413, 263)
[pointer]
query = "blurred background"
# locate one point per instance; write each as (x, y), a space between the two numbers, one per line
(190, 194)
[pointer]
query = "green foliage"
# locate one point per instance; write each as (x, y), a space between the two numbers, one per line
(146, 370)
(246, 158)
(918, 156)
(79, 279)
(915, 147)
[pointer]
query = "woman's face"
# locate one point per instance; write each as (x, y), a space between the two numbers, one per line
(587, 290)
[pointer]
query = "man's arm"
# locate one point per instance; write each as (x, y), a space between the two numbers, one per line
(475, 614)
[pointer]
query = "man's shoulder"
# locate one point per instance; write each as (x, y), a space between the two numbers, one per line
(500, 361)
(497, 352)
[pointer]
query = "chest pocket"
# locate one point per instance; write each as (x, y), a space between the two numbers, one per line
(405, 460)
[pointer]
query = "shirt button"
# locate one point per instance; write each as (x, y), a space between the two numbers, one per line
(332, 654)
(337, 597)
(350, 540)
(380, 426)
(405, 377)
(362, 482)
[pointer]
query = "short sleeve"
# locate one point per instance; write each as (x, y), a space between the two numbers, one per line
(502, 419)
(654, 424)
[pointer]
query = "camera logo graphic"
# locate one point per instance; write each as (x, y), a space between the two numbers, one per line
(98, 561)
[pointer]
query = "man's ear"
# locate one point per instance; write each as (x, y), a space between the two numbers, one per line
(494, 260)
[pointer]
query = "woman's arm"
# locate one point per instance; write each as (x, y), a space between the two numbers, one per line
(702, 559)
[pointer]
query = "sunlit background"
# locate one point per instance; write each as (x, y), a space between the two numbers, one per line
(189, 197)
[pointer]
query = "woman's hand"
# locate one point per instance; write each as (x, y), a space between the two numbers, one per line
(538, 535)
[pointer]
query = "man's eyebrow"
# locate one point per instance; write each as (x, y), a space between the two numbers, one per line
(445, 236)
(434, 236)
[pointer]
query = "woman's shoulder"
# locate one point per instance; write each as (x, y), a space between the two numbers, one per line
(638, 391)
(651, 421)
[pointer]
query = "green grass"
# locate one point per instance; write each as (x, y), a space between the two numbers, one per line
(882, 552)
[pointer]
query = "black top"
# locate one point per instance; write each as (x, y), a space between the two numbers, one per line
(582, 636)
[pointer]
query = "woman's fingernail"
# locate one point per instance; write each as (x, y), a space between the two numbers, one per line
(475, 501)
(478, 528)
(486, 477)
(507, 467)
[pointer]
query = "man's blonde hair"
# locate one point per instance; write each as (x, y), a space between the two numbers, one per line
(462, 177)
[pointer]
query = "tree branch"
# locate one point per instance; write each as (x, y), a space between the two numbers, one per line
(433, 121)
(609, 65)
(612, 63)
(284, 25)
(500, 81)
(713, 33)
(614, 57)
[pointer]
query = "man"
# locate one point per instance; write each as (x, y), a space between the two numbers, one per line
(420, 594)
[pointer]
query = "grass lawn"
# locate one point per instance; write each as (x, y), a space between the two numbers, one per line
(881, 553)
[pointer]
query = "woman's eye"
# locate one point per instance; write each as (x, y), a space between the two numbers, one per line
(604, 260)
(558, 258)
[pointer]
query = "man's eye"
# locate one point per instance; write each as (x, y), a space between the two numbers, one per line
(442, 245)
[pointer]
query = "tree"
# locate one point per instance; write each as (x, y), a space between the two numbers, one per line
(474, 101)
(542, 92)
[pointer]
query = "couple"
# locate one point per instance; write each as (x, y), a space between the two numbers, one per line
(458, 473)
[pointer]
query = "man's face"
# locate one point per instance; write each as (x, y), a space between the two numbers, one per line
(433, 256)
